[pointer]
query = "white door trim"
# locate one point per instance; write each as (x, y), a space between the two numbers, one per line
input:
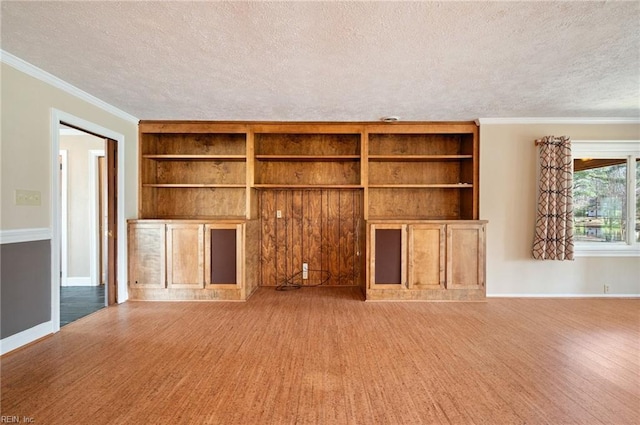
(58, 116)
(96, 216)
(64, 217)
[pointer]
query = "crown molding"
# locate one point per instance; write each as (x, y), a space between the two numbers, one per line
(551, 120)
(44, 76)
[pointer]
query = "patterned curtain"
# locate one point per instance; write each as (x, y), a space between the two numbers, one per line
(554, 221)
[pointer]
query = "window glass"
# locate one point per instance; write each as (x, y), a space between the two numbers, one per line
(600, 199)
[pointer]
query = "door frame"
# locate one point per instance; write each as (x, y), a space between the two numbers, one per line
(58, 116)
(96, 216)
(64, 210)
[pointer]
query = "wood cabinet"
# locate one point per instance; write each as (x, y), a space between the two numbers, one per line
(147, 255)
(420, 260)
(185, 255)
(187, 260)
(465, 256)
(426, 262)
(227, 206)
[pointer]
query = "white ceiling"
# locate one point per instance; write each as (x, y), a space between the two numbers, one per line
(338, 61)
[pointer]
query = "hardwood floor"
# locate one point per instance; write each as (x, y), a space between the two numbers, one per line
(322, 356)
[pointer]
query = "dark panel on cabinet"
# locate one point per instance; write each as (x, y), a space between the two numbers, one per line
(388, 256)
(223, 256)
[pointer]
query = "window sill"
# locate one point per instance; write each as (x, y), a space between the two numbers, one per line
(612, 250)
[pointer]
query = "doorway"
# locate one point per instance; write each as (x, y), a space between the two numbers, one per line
(83, 213)
(85, 244)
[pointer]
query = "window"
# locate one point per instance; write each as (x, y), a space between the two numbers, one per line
(606, 197)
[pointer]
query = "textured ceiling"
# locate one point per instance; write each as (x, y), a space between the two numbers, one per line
(338, 61)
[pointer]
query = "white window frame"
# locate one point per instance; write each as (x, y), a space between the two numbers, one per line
(629, 149)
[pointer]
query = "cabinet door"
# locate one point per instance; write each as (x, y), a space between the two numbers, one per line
(426, 256)
(185, 255)
(465, 256)
(387, 256)
(223, 255)
(147, 256)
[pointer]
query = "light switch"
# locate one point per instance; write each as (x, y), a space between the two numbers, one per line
(28, 197)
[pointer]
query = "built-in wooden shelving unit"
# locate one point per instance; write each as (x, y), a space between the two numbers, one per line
(396, 174)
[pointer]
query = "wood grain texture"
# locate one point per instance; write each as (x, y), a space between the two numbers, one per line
(196, 144)
(401, 203)
(204, 172)
(427, 244)
(465, 256)
(318, 227)
(322, 356)
(146, 251)
(307, 172)
(200, 202)
(307, 144)
(439, 260)
(420, 144)
(185, 255)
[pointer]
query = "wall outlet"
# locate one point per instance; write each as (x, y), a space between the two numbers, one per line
(279, 214)
(606, 289)
(305, 270)
(28, 197)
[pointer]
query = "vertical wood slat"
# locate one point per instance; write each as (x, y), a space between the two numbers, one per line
(318, 227)
(268, 237)
(250, 176)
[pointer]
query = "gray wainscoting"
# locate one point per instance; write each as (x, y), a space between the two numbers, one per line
(25, 288)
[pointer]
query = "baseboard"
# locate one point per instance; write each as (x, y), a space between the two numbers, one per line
(78, 281)
(563, 295)
(20, 339)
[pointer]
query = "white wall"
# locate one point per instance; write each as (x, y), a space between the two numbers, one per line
(79, 202)
(26, 145)
(27, 106)
(508, 200)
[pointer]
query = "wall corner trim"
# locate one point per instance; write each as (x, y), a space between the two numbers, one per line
(20, 339)
(25, 235)
(44, 76)
(555, 120)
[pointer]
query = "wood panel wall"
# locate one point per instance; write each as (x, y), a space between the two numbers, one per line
(322, 227)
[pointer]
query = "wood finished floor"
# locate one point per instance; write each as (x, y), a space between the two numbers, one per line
(323, 356)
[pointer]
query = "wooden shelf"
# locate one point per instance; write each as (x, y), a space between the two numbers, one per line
(310, 158)
(409, 170)
(196, 157)
(418, 158)
(193, 185)
(422, 186)
(307, 186)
